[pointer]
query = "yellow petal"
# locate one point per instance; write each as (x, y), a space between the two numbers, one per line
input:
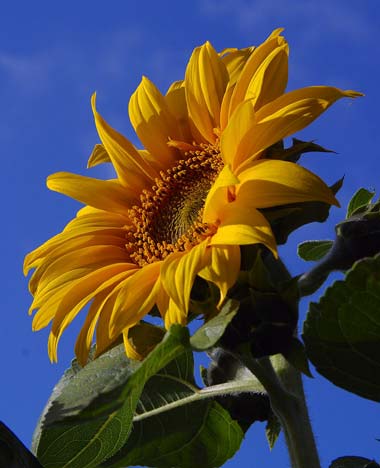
(237, 138)
(270, 79)
(77, 296)
(132, 170)
(93, 217)
(280, 118)
(272, 183)
(135, 299)
(103, 339)
(162, 300)
(102, 194)
(98, 156)
(61, 243)
(87, 256)
(84, 340)
(177, 276)
(49, 299)
(70, 248)
(153, 122)
(176, 102)
(267, 60)
(242, 226)
(206, 79)
(224, 109)
(217, 196)
(141, 339)
(174, 315)
(224, 268)
(234, 60)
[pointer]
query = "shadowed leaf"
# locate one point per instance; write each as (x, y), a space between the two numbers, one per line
(342, 331)
(89, 415)
(353, 462)
(173, 426)
(314, 250)
(272, 430)
(359, 201)
(13, 453)
(208, 334)
(296, 356)
(294, 152)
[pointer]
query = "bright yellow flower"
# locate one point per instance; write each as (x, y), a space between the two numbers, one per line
(182, 206)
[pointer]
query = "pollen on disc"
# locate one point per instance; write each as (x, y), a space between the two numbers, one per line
(169, 216)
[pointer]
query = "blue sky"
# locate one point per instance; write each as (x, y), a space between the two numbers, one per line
(54, 55)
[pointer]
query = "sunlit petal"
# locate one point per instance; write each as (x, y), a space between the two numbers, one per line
(177, 275)
(136, 298)
(264, 76)
(240, 225)
(131, 169)
(205, 82)
(102, 194)
(223, 269)
(217, 197)
(152, 121)
(271, 183)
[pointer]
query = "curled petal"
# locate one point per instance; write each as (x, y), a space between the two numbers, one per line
(205, 82)
(249, 133)
(234, 60)
(106, 195)
(177, 275)
(132, 170)
(240, 225)
(217, 196)
(76, 296)
(98, 156)
(136, 298)
(270, 183)
(84, 340)
(224, 268)
(269, 60)
(153, 122)
(176, 101)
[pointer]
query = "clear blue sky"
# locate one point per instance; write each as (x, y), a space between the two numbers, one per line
(53, 55)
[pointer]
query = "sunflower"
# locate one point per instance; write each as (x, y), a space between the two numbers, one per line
(184, 204)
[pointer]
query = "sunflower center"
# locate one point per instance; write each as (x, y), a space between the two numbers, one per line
(169, 216)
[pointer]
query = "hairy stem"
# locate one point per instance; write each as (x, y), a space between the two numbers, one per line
(284, 386)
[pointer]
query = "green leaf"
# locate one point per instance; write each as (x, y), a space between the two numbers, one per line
(287, 218)
(13, 452)
(342, 331)
(174, 426)
(296, 356)
(360, 200)
(353, 462)
(89, 416)
(314, 250)
(293, 153)
(208, 334)
(272, 430)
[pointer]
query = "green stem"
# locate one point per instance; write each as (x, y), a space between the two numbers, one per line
(285, 390)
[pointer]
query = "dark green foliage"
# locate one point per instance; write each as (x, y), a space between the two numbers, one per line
(167, 432)
(357, 237)
(314, 250)
(359, 201)
(13, 453)
(353, 462)
(342, 331)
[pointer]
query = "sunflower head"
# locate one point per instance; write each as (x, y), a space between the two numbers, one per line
(183, 205)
